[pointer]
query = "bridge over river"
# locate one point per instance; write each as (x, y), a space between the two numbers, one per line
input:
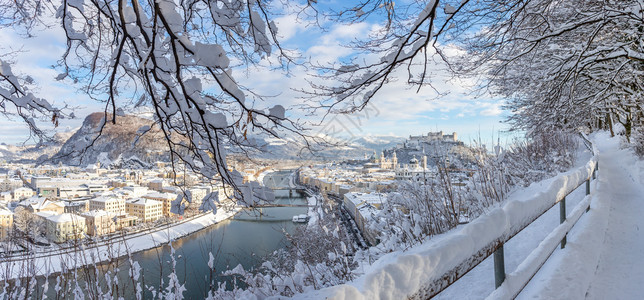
(284, 180)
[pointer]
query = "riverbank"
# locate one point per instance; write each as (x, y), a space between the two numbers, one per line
(43, 264)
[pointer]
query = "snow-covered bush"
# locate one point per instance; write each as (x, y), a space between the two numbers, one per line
(638, 141)
(418, 210)
(543, 155)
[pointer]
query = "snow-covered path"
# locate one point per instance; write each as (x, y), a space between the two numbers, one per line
(604, 258)
(620, 270)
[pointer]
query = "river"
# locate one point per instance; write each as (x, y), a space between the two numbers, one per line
(246, 239)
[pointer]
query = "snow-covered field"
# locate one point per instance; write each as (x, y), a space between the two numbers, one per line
(56, 261)
(602, 259)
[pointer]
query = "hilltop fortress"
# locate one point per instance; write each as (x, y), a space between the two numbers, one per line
(418, 142)
(434, 136)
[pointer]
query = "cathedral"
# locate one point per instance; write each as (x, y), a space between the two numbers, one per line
(388, 163)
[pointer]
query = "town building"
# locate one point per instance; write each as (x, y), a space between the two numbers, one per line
(165, 198)
(353, 200)
(135, 191)
(8, 183)
(22, 193)
(364, 207)
(72, 187)
(388, 163)
(434, 136)
(6, 196)
(197, 193)
(99, 222)
(110, 203)
(76, 206)
(40, 204)
(125, 221)
(6, 223)
(64, 227)
(146, 210)
(157, 184)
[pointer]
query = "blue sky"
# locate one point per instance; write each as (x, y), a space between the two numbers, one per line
(401, 110)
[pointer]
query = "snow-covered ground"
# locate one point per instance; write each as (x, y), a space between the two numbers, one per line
(56, 261)
(603, 258)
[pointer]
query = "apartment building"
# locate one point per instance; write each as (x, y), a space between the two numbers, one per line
(23, 193)
(64, 227)
(6, 222)
(99, 222)
(110, 204)
(165, 198)
(146, 210)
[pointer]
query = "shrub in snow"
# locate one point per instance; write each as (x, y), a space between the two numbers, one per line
(543, 155)
(638, 141)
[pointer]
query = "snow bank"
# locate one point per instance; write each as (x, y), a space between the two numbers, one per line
(260, 177)
(406, 274)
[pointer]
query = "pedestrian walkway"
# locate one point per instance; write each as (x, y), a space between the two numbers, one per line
(604, 258)
(620, 270)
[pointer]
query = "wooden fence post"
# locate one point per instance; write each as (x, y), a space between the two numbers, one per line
(596, 169)
(499, 267)
(562, 218)
(588, 192)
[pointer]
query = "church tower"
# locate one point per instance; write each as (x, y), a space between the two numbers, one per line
(394, 161)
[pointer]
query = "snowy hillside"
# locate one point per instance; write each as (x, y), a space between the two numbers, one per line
(114, 142)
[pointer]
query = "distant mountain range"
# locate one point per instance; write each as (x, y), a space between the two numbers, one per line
(291, 148)
(123, 145)
(34, 153)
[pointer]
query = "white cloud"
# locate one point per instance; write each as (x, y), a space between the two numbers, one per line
(288, 25)
(492, 109)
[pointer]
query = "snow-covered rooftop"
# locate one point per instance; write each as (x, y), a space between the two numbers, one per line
(97, 213)
(144, 201)
(66, 218)
(371, 198)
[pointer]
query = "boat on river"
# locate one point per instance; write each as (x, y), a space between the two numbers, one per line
(303, 218)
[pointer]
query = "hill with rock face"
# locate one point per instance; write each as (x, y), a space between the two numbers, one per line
(113, 144)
